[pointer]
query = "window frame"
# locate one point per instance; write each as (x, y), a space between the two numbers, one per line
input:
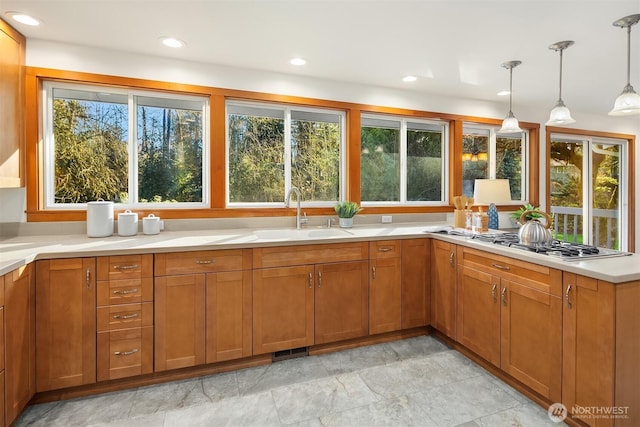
(525, 149)
(287, 110)
(403, 161)
(47, 177)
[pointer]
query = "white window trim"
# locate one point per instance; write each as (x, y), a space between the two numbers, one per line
(403, 162)
(623, 191)
(287, 109)
(48, 150)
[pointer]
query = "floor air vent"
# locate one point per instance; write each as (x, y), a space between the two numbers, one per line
(290, 354)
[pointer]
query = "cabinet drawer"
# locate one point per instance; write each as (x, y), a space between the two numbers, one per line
(125, 267)
(127, 291)
(385, 249)
(125, 353)
(283, 256)
(536, 276)
(202, 262)
(125, 316)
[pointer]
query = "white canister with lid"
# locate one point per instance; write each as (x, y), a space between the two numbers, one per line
(151, 224)
(127, 223)
(99, 218)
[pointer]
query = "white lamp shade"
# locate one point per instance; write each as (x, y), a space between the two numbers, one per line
(560, 115)
(510, 124)
(627, 103)
(487, 191)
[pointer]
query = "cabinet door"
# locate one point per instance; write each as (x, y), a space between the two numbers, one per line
(443, 287)
(65, 323)
(478, 319)
(385, 295)
(282, 308)
(588, 320)
(12, 131)
(228, 315)
(341, 301)
(416, 289)
(179, 321)
(19, 341)
(532, 338)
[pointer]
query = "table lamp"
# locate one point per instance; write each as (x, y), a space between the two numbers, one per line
(489, 192)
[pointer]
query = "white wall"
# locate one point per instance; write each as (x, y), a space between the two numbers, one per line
(77, 58)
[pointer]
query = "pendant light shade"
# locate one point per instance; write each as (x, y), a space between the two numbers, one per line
(510, 123)
(560, 115)
(628, 102)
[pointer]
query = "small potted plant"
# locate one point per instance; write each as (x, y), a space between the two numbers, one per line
(532, 215)
(346, 211)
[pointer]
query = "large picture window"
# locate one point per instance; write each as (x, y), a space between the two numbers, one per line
(135, 148)
(273, 148)
(402, 161)
(486, 154)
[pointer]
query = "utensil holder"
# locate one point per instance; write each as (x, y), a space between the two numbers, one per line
(460, 217)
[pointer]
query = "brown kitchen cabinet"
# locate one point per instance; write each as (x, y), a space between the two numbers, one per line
(12, 123)
(124, 316)
(311, 294)
(65, 323)
(510, 313)
(19, 335)
(385, 288)
(601, 349)
(443, 287)
(416, 283)
(202, 307)
(2, 395)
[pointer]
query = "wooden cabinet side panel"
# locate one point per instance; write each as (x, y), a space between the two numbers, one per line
(341, 301)
(416, 283)
(179, 321)
(228, 315)
(627, 381)
(385, 300)
(19, 341)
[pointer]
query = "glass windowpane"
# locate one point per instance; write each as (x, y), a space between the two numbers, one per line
(424, 163)
(380, 164)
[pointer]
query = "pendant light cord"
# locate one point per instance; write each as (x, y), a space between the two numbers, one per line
(510, 89)
(629, 55)
(560, 84)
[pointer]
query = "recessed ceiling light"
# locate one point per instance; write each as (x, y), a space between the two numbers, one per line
(409, 79)
(172, 42)
(297, 61)
(24, 19)
(503, 93)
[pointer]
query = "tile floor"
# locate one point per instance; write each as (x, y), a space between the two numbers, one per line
(413, 382)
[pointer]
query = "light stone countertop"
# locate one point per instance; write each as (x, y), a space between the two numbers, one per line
(18, 251)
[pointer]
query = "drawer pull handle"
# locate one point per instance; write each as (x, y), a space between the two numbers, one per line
(125, 316)
(204, 261)
(319, 278)
(451, 259)
(373, 271)
(126, 353)
(494, 294)
(384, 249)
(88, 278)
(566, 296)
(125, 291)
(125, 267)
(310, 280)
(504, 296)
(501, 267)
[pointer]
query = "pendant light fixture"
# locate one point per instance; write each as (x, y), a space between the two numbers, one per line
(628, 102)
(510, 123)
(560, 115)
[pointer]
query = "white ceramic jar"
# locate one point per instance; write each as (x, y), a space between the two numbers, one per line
(99, 218)
(127, 223)
(151, 224)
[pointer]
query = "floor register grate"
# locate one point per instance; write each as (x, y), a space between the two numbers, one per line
(290, 354)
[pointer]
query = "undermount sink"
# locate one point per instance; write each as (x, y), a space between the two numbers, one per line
(304, 233)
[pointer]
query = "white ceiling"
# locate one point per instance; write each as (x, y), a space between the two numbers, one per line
(455, 47)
